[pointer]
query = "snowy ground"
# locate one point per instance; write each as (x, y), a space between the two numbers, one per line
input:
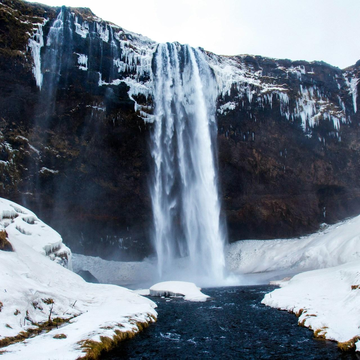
(264, 260)
(326, 300)
(34, 288)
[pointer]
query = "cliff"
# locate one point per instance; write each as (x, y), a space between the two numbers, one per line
(76, 110)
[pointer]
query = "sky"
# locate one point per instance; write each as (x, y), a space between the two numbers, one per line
(324, 30)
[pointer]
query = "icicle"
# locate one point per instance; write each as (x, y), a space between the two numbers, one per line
(36, 42)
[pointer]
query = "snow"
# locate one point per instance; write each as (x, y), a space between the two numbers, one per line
(116, 272)
(328, 300)
(188, 290)
(82, 61)
(326, 293)
(335, 245)
(23, 225)
(33, 287)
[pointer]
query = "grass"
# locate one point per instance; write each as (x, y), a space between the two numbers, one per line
(320, 333)
(94, 349)
(4, 242)
(349, 345)
(30, 333)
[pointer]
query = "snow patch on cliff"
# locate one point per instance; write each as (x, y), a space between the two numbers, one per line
(82, 61)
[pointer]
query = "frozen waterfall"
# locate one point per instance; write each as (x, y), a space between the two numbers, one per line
(184, 190)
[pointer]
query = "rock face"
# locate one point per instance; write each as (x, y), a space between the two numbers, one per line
(76, 114)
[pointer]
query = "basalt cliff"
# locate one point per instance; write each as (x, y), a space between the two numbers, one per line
(76, 112)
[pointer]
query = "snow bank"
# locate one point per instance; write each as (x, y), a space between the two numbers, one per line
(116, 272)
(33, 289)
(336, 245)
(327, 301)
(22, 224)
(178, 288)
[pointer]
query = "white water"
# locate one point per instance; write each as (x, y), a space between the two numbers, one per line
(184, 192)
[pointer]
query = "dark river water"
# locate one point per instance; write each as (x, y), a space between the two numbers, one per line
(232, 325)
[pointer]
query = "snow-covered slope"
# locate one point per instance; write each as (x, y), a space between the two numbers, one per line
(335, 245)
(327, 301)
(35, 289)
(23, 225)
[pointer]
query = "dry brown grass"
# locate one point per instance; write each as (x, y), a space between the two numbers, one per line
(348, 345)
(30, 333)
(320, 333)
(94, 349)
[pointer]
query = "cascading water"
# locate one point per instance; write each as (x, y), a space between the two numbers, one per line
(184, 192)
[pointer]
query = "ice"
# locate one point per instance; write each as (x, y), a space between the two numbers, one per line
(81, 29)
(45, 170)
(352, 84)
(188, 290)
(103, 31)
(223, 109)
(82, 61)
(36, 42)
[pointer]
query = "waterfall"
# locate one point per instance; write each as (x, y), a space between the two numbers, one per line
(185, 200)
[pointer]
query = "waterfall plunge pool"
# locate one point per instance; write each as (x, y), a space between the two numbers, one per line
(233, 324)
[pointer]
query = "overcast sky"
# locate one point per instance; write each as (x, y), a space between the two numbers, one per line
(325, 30)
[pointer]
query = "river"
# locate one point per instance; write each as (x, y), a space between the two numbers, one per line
(232, 325)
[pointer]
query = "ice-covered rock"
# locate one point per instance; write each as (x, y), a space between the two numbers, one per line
(188, 290)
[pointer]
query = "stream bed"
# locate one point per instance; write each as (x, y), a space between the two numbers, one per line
(232, 325)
